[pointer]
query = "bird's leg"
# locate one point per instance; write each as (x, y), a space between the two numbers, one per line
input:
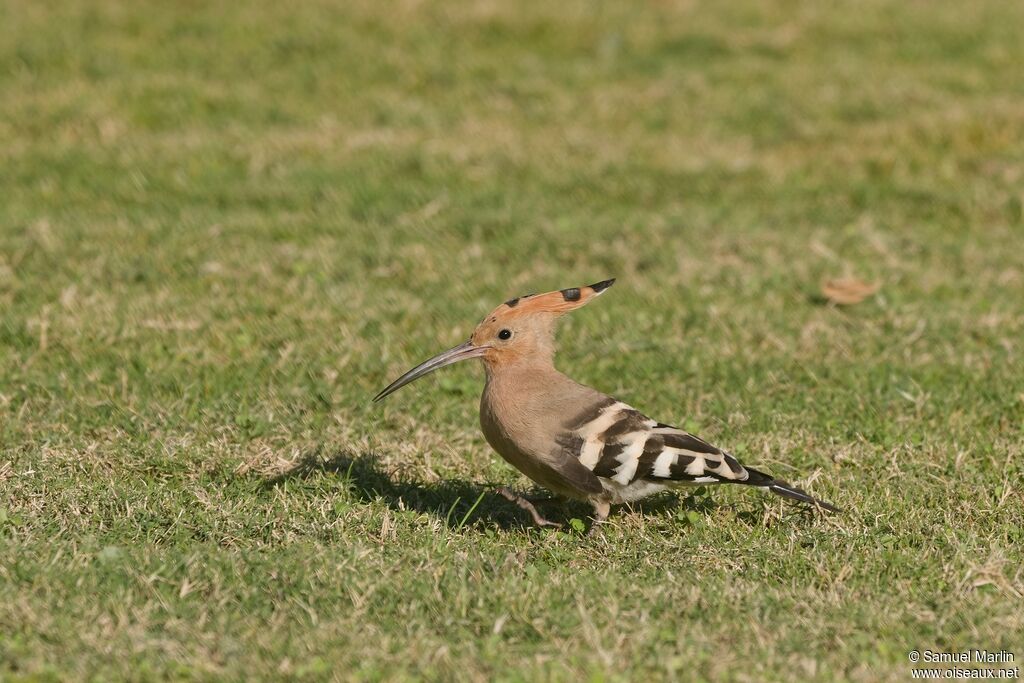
(526, 505)
(601, 510)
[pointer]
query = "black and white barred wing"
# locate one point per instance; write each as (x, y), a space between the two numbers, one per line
(620, 444)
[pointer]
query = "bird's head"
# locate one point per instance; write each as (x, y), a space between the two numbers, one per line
(519, 329)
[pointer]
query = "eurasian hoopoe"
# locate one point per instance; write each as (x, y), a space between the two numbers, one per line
(569, 438)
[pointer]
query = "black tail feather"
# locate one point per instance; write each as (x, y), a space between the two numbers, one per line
(781, 488)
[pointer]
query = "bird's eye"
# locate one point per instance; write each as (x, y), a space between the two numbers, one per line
(505, 334)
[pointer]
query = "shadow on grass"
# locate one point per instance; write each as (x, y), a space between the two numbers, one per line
(459, 503)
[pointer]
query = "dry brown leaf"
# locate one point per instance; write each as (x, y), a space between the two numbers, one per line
(846, 291)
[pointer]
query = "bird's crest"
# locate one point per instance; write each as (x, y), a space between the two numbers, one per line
(557, 302)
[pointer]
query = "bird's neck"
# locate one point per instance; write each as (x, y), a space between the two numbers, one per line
(517, 398)
(523, 385)
(521, 374)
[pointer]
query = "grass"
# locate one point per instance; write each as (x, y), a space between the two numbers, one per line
(224, 227)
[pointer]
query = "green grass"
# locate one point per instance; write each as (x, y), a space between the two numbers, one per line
(225, 226)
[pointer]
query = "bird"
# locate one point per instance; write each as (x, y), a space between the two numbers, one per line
(573, 440)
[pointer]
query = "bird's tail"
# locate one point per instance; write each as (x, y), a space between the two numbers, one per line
(781, 488)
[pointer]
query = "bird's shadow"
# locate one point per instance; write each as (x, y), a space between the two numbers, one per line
(460, 504)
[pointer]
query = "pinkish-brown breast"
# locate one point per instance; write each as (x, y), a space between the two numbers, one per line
(522, 415)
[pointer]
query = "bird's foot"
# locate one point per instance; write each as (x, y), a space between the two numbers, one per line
(525, 504)
(601, 510)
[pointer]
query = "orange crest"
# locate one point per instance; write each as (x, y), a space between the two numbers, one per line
(524, 327)
(556, 302)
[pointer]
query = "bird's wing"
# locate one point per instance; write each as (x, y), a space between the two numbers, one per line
(616, 442)
(570, 471)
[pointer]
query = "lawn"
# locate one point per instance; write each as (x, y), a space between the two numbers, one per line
(225, 226)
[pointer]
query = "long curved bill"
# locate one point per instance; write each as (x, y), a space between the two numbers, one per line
(454, 355)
